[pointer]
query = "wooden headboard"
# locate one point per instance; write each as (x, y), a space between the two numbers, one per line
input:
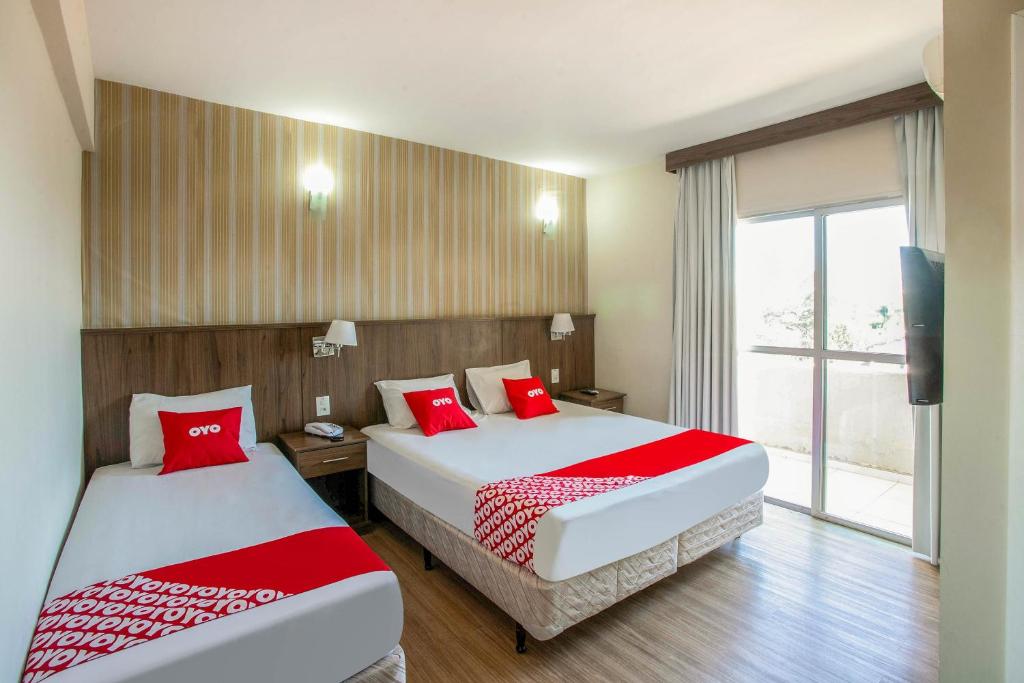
(277, 360)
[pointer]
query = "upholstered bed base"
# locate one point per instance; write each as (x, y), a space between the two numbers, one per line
(546, 608)
(388, 669)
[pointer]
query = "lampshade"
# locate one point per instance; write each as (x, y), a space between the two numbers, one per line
(546, 209)
(562, 324)
(341, 333)
(318, 179)
(932, 61)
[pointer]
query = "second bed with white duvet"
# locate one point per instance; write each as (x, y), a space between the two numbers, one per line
(131, 520)
(442, 474)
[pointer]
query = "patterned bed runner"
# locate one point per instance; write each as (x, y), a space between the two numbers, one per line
(111, 616)
(506, 513)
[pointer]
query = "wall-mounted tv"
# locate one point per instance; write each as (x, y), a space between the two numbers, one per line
(923, 295)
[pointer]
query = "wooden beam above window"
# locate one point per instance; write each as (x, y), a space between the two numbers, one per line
(900, 101)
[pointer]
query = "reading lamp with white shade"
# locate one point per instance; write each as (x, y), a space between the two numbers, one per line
(561, 326)
(340, 333)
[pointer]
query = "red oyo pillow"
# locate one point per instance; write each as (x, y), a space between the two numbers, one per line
(201, 439)
(529, 398)
(438, 410)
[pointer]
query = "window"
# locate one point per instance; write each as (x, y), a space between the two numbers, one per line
(821, 374)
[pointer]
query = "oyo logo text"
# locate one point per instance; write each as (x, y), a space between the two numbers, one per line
(438, 402)
(534, 393)
(205, 429)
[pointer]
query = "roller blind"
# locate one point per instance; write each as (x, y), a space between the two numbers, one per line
(851, 164)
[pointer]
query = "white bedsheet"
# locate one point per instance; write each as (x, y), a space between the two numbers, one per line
(133, 520)
(442, 474)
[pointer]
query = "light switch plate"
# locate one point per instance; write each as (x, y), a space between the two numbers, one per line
(323, 406)
(554, 376)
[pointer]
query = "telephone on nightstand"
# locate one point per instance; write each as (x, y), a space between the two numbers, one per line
(326, 430)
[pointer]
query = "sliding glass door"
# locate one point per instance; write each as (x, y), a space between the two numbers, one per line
(775, 336)
(821, 375)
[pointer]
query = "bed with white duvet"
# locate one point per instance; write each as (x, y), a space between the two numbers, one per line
(442, 474)
(132, 520)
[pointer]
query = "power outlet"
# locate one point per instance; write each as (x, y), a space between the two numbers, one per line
(554, 376)
(323, 406)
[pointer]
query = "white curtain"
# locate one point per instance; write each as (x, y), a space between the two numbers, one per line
(919, 144)
(703, 383)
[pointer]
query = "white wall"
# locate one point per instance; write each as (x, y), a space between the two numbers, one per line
(40, 315)
(629, 242)
(1015, 491)
(976, 415)
(66, 35)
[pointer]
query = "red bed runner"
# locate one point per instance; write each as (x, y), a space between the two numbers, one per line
(111, 616)
(506, 512)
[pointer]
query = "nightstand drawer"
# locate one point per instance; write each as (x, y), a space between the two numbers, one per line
(331, 460)
(612, 401)
(614, 406)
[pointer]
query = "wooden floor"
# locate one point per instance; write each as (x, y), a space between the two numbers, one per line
(794, 600)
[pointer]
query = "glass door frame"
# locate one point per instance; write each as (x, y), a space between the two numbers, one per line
(820, 356)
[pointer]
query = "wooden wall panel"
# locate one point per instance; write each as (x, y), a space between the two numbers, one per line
(196, 215)
(278, 361)
(117, 364)
(578, 355)
(573, 355)
(396, 350)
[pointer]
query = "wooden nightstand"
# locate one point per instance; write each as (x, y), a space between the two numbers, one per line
(613, 401)
(316, 456)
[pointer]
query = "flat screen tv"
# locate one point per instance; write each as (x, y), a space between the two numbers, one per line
(923, 294)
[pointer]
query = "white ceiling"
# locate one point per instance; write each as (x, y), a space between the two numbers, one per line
(581, 86)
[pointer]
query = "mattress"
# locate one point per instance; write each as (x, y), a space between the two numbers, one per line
(442, 474)
(546, 608)
(133, 520)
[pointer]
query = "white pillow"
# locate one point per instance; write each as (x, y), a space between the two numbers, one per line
(395, 405)
(146, 438)
(486, 390)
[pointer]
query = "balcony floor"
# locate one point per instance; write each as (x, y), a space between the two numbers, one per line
(877, 498)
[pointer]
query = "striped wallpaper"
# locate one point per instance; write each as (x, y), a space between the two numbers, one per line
(194, 214)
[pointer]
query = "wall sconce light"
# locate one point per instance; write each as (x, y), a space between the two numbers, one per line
(561, 326)
(340, 333)
(318, 181)
(546, 211)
